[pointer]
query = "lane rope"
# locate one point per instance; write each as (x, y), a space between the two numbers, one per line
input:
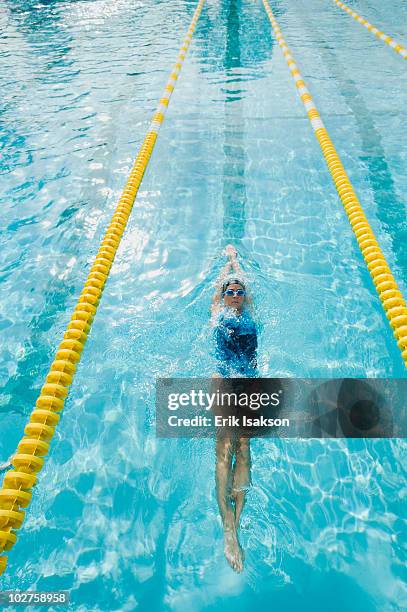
(378, 33)
(29, 458)
(386, 286)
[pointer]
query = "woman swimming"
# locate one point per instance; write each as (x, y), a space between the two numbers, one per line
(235, 337)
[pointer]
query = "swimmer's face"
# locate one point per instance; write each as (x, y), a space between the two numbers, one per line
(234, 301)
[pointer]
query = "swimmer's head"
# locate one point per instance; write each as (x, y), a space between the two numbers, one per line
(233, 281)
(234, 293)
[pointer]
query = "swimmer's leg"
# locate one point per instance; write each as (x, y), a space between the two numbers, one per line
(241, 476)
(224, 454)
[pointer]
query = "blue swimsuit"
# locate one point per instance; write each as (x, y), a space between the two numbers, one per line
(236, 344)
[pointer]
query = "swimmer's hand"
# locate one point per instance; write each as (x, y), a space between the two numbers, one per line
(231, 252)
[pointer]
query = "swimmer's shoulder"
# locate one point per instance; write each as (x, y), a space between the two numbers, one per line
(224, 316)
(217, 313)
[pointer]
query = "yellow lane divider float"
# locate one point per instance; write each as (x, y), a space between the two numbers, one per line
(387, 39)
(29, 457)
(386, 286)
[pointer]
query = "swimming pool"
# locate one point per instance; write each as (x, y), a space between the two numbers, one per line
(120, 518)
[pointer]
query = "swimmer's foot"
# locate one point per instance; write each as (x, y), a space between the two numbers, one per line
(230, 251)
(233, 551)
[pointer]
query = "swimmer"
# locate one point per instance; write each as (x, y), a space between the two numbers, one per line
(235, 336)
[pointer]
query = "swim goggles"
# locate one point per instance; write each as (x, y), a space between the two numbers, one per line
(239, 292)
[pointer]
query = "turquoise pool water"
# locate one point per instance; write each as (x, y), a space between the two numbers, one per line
(120, 519)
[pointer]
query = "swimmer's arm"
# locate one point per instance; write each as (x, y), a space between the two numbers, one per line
(232, 265)
(217, 296)
(223, 274)
(233, 262)
(231, 253)
(236, 267)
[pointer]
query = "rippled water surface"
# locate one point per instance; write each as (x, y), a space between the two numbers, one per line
(120, 519)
